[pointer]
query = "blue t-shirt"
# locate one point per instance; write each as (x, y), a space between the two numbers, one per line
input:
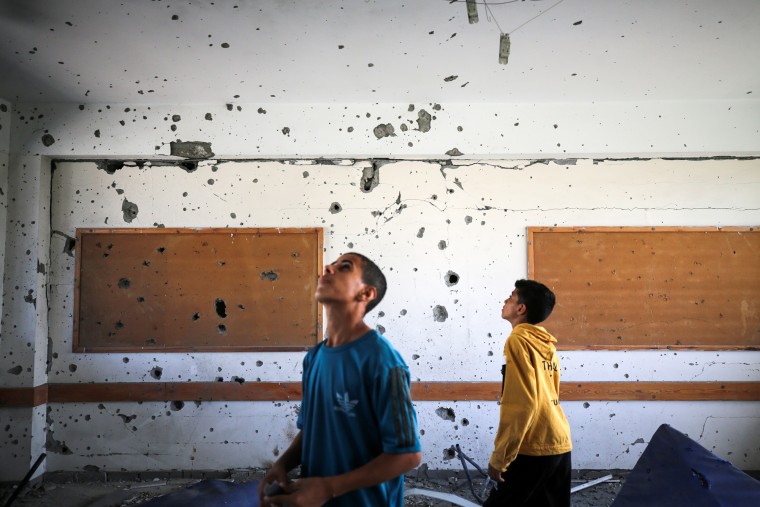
(356, 405)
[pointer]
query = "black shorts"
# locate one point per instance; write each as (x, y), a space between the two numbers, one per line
(534, 481)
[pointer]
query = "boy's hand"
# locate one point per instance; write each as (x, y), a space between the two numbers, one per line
(276, 473)
(309, 492)
(494, 474)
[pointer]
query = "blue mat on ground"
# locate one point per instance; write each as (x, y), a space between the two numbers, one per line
(208, 493)
(675, 470)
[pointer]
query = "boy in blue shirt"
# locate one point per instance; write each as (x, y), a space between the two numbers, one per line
(358, 427)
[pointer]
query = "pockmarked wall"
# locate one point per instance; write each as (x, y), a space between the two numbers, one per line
(421, 220)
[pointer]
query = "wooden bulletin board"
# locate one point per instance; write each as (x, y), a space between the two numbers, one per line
(197, 289)
(658, 287)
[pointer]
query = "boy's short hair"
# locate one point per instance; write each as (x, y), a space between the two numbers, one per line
(374, 277)
(538, 299)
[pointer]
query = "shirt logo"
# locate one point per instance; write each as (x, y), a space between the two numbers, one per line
(345, 404)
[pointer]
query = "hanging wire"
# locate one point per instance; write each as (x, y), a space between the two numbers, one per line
(534, 17)
(489, 13)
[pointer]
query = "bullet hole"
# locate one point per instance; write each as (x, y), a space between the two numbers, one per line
(221, 308)
(208, 117)
(4, 108)
(229, 107)
(449, 453)
(156, 372)
(210, 181)
(423, 121)
(176, 118)
(119, 325)
(442, 245)
(578, 23)
(468, 220)
(350, 129)
(97, 133)
(175, 17)
(16, 370)
(127, 418)
(125, 360)
(269, 275)
(196, 316)
(286, 131)
(259, 363)
(221, 329)
(384, 130)
(380, 329)
(615, 365)
(219, 379)
(48, 140)
(124, 283)
(450, 78)
(451, 278)
(586, 404)
(335, 208)
(130, 210)
(370, 178)
(72, 368)
(189, 166)
(110, 166)
(415, 356)
(29, 298)
(440, 314)
(421, 232)
(150, 341)
(459, 128)
(239, 380)
(465, 422)
(403, 312)
(446, 413)
(69, 246)
(225, 45)
(454, 152)
(436, 107)
(306, 174)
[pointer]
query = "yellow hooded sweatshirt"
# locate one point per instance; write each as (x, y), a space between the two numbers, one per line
(531, 421)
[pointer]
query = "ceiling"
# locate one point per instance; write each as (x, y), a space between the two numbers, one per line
(377, 51)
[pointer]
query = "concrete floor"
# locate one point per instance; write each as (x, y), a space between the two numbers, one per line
(121, 490)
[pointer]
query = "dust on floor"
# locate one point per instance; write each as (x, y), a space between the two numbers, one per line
(128, 493)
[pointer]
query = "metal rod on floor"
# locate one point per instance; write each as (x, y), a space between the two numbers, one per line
(591, 483)
(25, 480)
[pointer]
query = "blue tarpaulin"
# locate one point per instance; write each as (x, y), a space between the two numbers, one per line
(210, 493)
(675, 470)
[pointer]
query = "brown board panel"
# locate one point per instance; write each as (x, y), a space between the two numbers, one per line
(657, 287)
(421, 391)
(197, 289)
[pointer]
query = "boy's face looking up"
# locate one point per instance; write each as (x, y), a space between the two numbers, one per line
(512, 309)
(342, 282)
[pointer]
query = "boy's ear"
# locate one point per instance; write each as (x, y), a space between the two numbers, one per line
(367, 294)
(522, 309)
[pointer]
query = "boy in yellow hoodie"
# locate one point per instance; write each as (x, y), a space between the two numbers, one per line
(531, 459)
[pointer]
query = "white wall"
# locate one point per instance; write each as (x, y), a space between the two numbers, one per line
(5, 145)
(487, 250)
(502, 197)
